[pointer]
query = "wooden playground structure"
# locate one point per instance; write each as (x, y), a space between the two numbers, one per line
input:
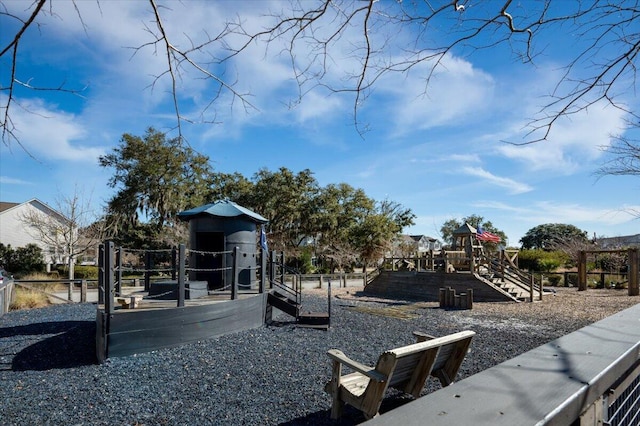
(633, 267)
(171, 309)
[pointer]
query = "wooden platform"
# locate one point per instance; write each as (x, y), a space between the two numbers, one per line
(425, 286)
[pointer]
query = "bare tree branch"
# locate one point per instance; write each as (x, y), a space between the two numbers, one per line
(377, 39)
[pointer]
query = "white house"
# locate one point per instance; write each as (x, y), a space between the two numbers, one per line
(15, 232)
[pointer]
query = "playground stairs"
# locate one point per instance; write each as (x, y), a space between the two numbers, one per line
(293, 307)
(509, 279)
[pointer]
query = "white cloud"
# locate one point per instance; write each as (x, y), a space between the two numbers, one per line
(51, 134)
(12, 181)
(554, 212)
(574, 141)
(457, 95)
(511, 185)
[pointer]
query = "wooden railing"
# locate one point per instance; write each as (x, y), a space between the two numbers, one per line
(43, 286)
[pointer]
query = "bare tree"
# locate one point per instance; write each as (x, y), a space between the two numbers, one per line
(376, 39)
(624, 160)
(70, 231)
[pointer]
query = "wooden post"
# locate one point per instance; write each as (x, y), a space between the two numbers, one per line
(329, 302)
(147, 270)
(469, 298)
(236, 274)
(118, 288)
(263, 271)
(540, 292)
(633, 273)
(272, 269)
(181, 274)
(83, 291)
(532, 288)
(108, 285)
(101, 274)
(582, 271)
(442, 296)
(320, 282)
(174, 261)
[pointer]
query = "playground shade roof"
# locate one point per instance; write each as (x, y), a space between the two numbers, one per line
(465, 229)
(222, 208)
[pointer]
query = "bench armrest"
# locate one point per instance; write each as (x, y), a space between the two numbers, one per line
(370, 372)
(422, 336)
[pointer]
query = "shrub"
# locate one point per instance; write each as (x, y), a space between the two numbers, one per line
(86, 272)
(541, 260)
(22, 260)
(554, 280)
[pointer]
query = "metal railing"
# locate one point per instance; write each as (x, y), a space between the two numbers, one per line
(588, 377)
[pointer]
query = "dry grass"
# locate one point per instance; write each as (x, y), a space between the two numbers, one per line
(28, 299)
(52, 286)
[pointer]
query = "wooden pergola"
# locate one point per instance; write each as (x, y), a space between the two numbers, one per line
(632, 273)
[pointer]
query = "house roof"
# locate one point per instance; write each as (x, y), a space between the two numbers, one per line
(6, 205)
(419, 237)
(622, 241)
(222, 208)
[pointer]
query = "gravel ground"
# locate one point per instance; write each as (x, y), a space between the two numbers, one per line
(268, 376)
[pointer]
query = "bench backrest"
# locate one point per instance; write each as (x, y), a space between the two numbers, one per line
(410, 366)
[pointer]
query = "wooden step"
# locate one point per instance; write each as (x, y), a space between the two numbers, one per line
(318, 320)
(283, 303)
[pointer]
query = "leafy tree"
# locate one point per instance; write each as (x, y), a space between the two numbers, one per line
(374, 236)
(286, 199)
(337, 210)
(22, 260)
(550, 235)
(538, 260)
(232, 186)
(156, 179)
(451, 225)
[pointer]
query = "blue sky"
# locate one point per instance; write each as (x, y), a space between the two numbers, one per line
(441, 154)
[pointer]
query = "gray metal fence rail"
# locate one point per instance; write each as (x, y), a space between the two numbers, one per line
(588, 377)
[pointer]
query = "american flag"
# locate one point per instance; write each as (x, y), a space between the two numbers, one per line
(263, 240)
(487, 236)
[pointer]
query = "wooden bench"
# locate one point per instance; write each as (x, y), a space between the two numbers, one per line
(406, 368)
